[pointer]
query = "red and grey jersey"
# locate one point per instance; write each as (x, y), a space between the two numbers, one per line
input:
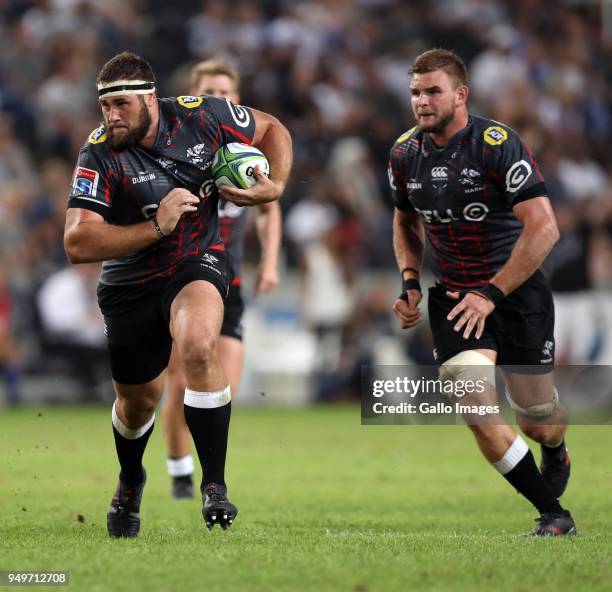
(126, 187)
(464, 192)
(232, 226)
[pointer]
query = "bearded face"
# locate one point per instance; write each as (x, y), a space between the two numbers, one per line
(436, 123)
(128, 124)
(435, 97)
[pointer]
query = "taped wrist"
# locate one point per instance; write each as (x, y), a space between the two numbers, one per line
(491, 293)
(409, 284)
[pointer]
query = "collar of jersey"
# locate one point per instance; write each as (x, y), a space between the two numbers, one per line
(431, 146)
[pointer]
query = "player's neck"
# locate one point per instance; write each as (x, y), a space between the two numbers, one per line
(454, 127)
(151, 134)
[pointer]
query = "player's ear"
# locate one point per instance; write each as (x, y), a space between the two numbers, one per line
(462, 95)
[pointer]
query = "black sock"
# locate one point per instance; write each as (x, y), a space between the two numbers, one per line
(209, 428)
(527, 480)
(554, 452)
(130, 454)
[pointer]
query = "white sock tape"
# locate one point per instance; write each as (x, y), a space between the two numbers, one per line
(129, 433)
(179, 467)
(513, 456)
(208, 400)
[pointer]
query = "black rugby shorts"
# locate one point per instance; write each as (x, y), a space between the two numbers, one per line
(520, 329)
(137, 318)
(232, 316)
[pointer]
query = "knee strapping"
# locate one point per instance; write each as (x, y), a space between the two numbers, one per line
(469, 365)
(538, 411)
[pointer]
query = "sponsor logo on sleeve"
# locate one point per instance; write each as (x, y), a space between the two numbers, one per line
(189, 102)
(405, 136)
(517, 176)
(239, 114)
(495, 135)
(85, 181)
(98, 135)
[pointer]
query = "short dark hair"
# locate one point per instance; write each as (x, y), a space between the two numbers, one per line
(441, 59)
(126, 66)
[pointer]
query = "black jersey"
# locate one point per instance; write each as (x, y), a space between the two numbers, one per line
(126, 187)
(232, 226)
(464, 193)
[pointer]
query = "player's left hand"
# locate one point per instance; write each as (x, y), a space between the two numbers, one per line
(471, 311)
(267, 280)
(264, 191)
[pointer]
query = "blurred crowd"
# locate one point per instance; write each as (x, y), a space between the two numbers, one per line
(336, 73)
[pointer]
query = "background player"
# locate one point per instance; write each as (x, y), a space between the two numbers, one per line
(473, 189)
(220, 79)
(141, 202)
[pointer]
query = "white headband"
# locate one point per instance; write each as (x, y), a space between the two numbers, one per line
(125, 87)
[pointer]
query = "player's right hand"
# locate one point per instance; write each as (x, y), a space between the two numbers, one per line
(407, 310)
(176, 203)
(265, 190)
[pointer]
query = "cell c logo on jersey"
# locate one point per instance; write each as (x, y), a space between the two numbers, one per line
(517, 176)
(239, 114)
(475, 212)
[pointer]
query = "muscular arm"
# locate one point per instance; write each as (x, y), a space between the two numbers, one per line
(87, 237)
(274, 140)
(539, 235)
(268, 226)
(408, 240)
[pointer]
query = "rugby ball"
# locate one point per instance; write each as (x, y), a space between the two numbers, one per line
(233, 165)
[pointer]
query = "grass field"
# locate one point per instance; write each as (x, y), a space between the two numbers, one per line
(325, 504)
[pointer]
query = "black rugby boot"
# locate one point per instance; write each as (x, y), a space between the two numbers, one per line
(552, 524)
(123, 517)
(217, 508)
